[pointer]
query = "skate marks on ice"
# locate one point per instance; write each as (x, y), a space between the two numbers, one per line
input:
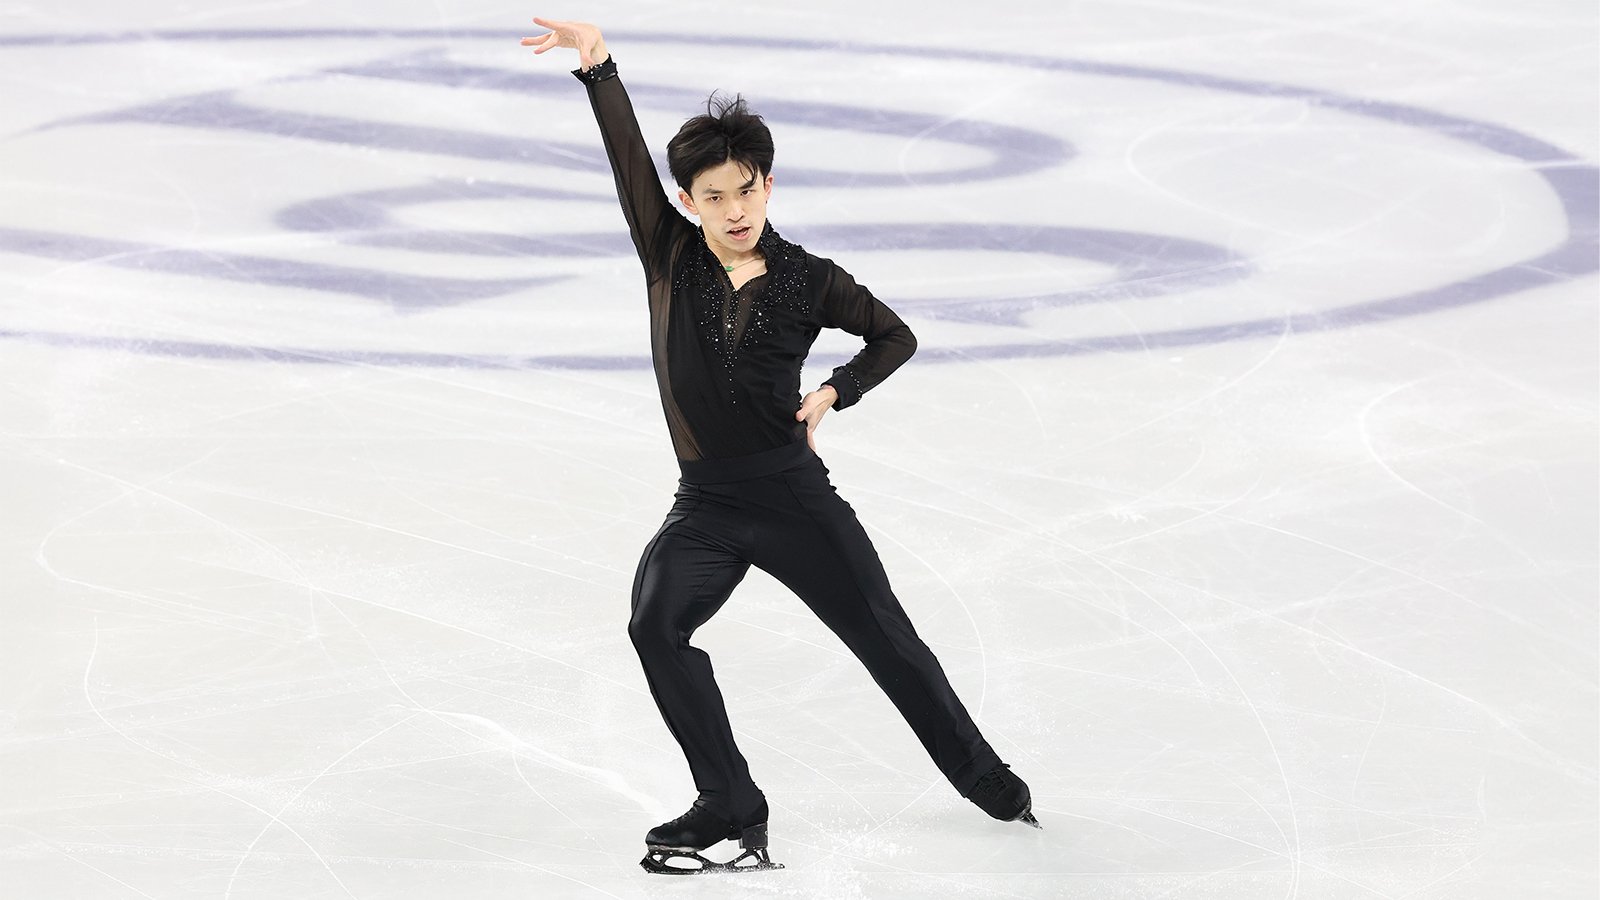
(1192, 593)
(612, 781)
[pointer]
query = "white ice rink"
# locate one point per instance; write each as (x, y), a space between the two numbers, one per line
(1245, 482)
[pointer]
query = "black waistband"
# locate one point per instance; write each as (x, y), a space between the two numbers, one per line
(742, 468)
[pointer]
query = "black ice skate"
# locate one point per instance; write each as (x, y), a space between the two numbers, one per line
(684, 837)
(1004, 796)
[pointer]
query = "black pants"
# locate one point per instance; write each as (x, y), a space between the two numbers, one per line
(793, 525)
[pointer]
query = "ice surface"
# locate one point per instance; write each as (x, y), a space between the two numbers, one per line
(1245, 482)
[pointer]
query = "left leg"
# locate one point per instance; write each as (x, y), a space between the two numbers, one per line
(820, 551)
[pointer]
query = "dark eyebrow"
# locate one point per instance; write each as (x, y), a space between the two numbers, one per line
(748, 184)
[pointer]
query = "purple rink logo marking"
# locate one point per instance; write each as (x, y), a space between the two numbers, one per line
(1145, 265)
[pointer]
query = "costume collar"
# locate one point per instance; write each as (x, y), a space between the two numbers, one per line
(786, 269)
(702, 278)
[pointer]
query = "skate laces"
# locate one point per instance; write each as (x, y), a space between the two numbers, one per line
(992, 782)
(695, 810)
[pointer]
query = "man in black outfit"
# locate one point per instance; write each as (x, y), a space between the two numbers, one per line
(734, 309)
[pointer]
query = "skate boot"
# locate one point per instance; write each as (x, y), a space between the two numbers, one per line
(684, 837)
(1004, 796)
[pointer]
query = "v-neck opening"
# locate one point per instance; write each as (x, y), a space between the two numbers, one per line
(737, 303)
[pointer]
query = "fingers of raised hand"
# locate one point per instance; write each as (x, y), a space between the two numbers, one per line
(572, 34)
(543, 42)
(562, 34)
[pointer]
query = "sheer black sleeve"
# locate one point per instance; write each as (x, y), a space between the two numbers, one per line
(652, 221)
(849, 306)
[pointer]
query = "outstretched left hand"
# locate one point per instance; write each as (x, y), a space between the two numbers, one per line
(812, 408)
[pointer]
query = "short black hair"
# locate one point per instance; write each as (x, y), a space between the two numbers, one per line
(728, 130)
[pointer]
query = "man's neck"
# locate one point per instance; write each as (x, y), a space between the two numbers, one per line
(731, 258)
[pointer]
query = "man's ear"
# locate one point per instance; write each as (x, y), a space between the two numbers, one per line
(767, 185)
(688, 202)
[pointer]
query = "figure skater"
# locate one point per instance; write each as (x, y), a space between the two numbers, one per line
(734, 309)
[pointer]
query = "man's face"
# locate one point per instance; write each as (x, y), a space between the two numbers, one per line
(731, 202)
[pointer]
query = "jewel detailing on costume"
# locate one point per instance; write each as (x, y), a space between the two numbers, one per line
(853, 390)
(700, 276)
(599, 72)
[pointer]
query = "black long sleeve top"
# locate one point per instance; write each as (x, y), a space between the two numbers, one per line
(727, 362)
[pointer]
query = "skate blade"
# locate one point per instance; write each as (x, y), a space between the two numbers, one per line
(1027, 819)
(658, 861)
